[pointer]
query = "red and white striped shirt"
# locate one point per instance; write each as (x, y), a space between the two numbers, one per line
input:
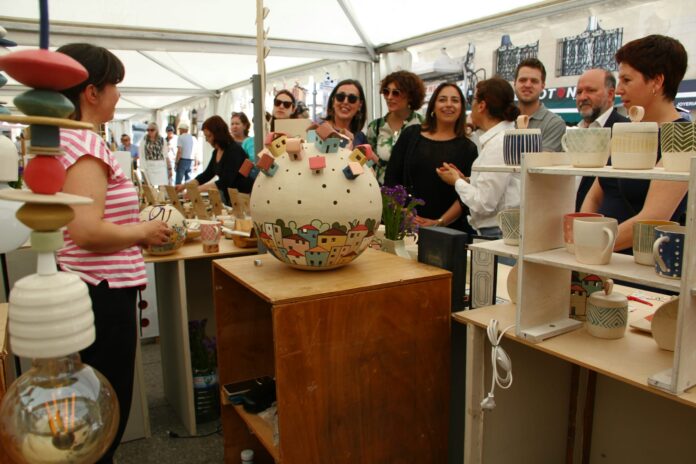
(121, 269)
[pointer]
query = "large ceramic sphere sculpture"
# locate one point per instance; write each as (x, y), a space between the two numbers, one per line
(315, 204)
(60, 410)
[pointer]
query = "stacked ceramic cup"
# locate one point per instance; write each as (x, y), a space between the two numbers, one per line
(634, 144)
(678, 143)
(518, 141)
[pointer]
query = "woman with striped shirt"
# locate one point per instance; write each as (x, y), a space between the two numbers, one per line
(102, 241)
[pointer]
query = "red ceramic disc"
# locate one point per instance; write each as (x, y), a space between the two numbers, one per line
(45, 174)
(43, 69)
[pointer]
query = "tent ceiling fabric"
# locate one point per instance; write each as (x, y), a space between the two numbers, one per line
(175, 50)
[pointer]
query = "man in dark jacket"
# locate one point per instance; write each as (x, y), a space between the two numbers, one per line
(595, 101)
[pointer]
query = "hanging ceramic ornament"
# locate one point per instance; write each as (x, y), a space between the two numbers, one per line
(315, 205)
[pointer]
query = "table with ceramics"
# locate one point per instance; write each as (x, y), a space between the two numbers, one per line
(184, 292)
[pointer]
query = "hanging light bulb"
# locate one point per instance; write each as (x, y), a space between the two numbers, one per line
(60, 410)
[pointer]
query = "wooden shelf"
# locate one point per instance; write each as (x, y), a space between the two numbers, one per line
(631, 359)
(259, 427)
(497, 168)
(621, 267)
(497, 247)
(608, 171)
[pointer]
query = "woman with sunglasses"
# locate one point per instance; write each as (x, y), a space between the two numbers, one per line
(102, 242)
(493, 111)
(153, 156)
(346, 109)
(284, 106)
(239, 128)
(421, 150)
(224, 164)
(403, 93)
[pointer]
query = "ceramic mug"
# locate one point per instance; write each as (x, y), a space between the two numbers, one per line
(568, 228)
(509, 223)
(588, 148)
(594, 239)
(518, 141)
(643, 239)
(668, 250)
(634, 145)
(678, 143)
(210, 236)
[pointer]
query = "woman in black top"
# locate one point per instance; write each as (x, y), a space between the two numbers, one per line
(227, 158)
(420, 150)
(650, 70)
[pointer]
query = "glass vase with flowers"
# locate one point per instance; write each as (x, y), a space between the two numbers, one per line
(398, 217)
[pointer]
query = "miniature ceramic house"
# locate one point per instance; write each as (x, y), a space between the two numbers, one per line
(358, 156)
(317, 164)
(364, 155)
(246, 168)
(311, 135)
(328, 140)
(276, 142)
(353, 170)
(267, 165)
(294, 148)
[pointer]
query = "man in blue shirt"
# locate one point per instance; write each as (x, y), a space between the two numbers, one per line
(126, 145)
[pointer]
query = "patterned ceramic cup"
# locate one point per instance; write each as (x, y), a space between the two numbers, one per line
(643, 239)
(634, 145)
(678, 143)
(518, 141)
(588, 148)
(509, 222)
(668, 250)
(210, 236)
(568, 228)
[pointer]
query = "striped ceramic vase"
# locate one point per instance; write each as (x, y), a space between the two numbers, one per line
(518, 141)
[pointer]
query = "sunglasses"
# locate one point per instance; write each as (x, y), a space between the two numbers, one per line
(286, 104)
(341, 97)
(396, 93)
(151, 130)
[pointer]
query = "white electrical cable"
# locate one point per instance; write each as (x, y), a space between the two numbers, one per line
(500, 362)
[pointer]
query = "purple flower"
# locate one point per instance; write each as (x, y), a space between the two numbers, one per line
(398, 212)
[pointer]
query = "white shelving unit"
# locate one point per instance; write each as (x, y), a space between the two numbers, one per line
(548, 192)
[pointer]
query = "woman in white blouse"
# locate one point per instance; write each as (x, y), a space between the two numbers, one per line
(493, 111)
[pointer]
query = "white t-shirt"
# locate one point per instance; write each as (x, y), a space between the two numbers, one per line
(186, 143)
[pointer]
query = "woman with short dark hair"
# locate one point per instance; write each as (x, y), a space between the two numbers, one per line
(403, 93)
(650, 70)
(239, 128)
(284, 106)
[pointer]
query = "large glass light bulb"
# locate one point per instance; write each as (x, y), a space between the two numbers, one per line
(60, 411)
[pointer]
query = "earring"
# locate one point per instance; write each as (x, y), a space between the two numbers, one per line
(654, 92)
(432, 114)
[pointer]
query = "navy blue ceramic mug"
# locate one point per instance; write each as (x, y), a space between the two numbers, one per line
(668, 250)
(518, 141)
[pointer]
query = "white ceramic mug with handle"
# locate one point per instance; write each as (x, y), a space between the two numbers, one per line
(594, 239)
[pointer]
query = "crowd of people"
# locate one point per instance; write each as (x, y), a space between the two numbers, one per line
(431, 155)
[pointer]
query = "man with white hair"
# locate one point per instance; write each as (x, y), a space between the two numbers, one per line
(594, 99)
(184, 154)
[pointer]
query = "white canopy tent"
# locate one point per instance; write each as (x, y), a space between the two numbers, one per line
(177, 52)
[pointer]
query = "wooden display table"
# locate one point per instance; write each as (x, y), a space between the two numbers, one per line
(184, 292)
(360, 355)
